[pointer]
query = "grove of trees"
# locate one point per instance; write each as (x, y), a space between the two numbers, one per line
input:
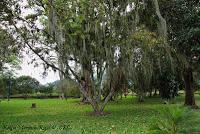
(108, 46)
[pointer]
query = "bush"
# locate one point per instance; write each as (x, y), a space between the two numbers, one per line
(174, 121)
(70, 88)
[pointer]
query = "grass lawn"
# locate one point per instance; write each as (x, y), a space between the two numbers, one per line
(54, 116)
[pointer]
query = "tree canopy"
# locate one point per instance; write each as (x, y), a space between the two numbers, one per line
(105, 45)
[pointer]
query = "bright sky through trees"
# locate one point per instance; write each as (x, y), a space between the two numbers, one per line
(36, 72)
(27, 68)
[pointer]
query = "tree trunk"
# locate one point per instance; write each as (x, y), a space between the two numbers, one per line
(150, 94)
(141, 97)
(189, 92)
(88, 84)
(155, 92)
(107, 99)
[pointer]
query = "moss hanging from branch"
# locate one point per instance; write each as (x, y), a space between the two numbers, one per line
(162, 25)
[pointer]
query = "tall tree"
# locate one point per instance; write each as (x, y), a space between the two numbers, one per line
(183, 19)
(27, 84)
(90, 40)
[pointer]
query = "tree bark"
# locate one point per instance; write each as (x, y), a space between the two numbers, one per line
(107, 99)
(162, 25)
(61, 66)
(189, 92)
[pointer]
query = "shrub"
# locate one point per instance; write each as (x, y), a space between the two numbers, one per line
(70, 88)
(173, 120)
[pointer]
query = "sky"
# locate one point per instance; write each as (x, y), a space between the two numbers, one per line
(28, 69)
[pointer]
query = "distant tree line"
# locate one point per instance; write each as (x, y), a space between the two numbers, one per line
(26, 86)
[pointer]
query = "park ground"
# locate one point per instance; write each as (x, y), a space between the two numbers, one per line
(55, 116)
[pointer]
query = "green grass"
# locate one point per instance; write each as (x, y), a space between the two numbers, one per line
(54, 116)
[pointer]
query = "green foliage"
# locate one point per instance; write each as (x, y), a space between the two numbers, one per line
(69, 87)
(5, 77)
(148, 59)
(184, 27)
(98, 37)
(8, 49)
(174, 120)
(23, 86)
(47, 89)
(167, 85)
(3, 86)
(27, 84)
(183, 21)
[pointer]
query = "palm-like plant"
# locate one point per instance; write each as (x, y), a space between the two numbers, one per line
(171, 120)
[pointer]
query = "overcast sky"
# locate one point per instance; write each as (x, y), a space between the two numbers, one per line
(29, 69)
(36, 72)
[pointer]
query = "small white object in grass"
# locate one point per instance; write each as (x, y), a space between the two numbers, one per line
(166, 102)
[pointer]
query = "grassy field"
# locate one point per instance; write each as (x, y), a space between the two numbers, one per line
(54, 116)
